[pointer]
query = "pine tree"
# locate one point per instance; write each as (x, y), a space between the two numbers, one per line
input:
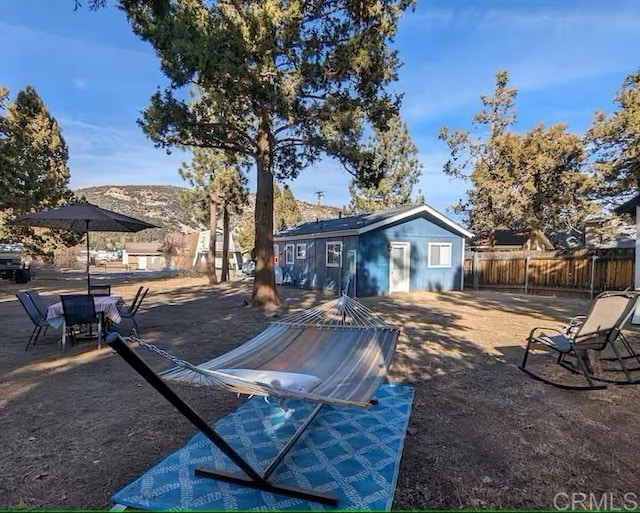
(280, 82)
(230, 186)
(290, 211)
(615, 143)
(480, 161)
(396, 159)
(523, 182)
(33, 169)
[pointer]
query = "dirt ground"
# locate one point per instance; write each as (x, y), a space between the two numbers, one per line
(77, 427)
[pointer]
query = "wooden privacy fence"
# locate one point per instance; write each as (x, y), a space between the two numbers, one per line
(586, 271)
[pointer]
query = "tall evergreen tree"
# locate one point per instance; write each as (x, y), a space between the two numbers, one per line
(289, 209)
(551, 190)
(518, 181)
(230, 186)
(33, 169)
(479, 160)
(200, 173)
(281, 82)
(396, 159)
(278, 219)
(245, 234)
(615, 144)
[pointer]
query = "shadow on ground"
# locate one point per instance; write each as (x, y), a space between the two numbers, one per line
(80, 426)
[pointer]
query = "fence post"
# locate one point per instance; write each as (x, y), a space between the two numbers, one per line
(593, 274)
(526, 273)
(475, 271)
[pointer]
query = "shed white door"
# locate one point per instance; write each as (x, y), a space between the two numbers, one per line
(142, 263)
(399, 267)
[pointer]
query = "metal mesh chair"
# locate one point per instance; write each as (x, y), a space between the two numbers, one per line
(608, 314)
(129, 312)
(79, 310)
(39, 320)
(38, 301)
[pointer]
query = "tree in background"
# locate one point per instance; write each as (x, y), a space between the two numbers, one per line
(396, 159)
(230, 186)
(615, 144)
(173, 244)
(286, 210)
(200, 173)
(278, 221)
(518, 181)
(245, 234)
(280, 82)
(478, 159)
(552, 192)
(33, 170)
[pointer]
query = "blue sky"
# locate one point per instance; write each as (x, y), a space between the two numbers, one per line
(567, 59)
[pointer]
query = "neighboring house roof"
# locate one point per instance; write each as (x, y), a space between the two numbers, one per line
(629, 207)
(513, 239)
(362, 223)
(569, 239)
(142, 248)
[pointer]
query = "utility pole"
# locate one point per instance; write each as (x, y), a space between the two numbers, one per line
(320, 195)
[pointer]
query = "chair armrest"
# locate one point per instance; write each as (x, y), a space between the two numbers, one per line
(540, 328)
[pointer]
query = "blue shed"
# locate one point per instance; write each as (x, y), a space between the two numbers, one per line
(398, 250)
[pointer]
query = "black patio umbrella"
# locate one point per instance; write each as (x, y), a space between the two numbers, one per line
(83, 218)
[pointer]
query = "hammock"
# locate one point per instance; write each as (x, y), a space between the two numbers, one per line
(337, 353)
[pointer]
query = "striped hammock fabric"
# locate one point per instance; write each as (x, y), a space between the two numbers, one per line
(337, 353)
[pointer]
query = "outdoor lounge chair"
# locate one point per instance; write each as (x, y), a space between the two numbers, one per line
(337, 354)
(39, 320)
(608, 314)
(38, 301)
(79, 310)
(129, 312)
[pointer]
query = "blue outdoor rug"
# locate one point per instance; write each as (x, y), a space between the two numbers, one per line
(352, 453)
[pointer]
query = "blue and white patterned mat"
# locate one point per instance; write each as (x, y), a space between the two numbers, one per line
(352, 453)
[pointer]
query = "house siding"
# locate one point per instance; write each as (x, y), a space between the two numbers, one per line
(371, 253)
(373, 257)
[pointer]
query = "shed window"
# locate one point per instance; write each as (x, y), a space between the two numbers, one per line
(288, 254)
(439, 254)
(301, 251)
(334, 254)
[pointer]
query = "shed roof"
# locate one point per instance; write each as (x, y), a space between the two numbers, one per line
(142, 248)
(362, 223)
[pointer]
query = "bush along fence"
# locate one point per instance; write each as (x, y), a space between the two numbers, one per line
(585, 271)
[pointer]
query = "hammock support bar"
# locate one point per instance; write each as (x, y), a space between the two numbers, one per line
(252, 478)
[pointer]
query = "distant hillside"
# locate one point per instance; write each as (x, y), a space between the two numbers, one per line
(162, 206)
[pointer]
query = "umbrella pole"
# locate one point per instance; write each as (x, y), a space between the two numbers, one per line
(88, 273)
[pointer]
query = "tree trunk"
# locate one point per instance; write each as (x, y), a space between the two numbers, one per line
(225, 243)
(211, 256)
(264, 285)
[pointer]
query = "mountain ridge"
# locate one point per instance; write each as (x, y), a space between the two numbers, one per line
(162, 205)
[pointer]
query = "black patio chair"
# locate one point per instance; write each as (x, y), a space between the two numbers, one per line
(100, 290)
(129, 312)
(38, 301)
(603, 324)
(79, 310)
(39, 320)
